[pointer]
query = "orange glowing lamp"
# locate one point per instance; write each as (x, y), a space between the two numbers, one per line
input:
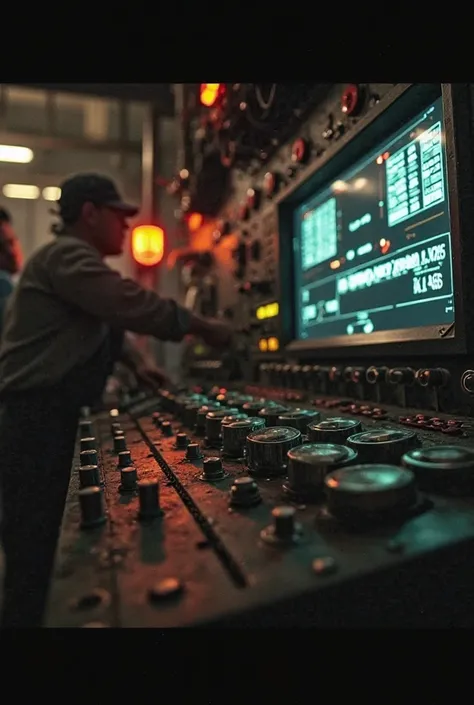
(209, 93)
(148, 245)
(195, 221)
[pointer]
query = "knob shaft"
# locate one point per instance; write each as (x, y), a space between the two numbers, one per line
(88, 457)
(128, 479)
(181, 441)
(149, 499)
(120, 444)
(89, 476)
(284, 529)
(212, 470)
(92, 507)
(116, 429)
(124, 459)
(244, 493)
(88, 443)
(193, 451)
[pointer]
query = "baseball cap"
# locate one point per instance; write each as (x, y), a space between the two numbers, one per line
(90, 188)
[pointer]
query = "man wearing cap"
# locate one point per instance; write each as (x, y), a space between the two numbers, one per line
(56, 353)
(10, 259)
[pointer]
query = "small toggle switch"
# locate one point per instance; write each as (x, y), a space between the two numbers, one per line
(89, 476)
(120, 444)
(88, 457)
(124, 459)
(284, 529)
(88, 443)
(92, 507)
(181, 441)
(244, 493)
(128, 479)
(193, 451)
(149, 499)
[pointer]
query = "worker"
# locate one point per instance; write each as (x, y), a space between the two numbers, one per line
(55, 357)
(10, 260)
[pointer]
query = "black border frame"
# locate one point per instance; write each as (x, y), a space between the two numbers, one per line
(403, 101)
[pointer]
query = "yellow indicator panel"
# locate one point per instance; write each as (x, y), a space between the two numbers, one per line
(268, 311)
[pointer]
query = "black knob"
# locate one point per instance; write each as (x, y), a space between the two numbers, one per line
(166, 428)
(92, 507)
(85, 429)
(128, 479)
(149, 499)
(300, 418)
(401, 375)
(270, 414)
(212, 470)
(181, 441)
(190, 412)
(234, 435)
(116, 429)
(285, 529)
(88, 457)
(120, 444)
(333, 430)
(383, 446)
(193, 451)
(156, 418)
(124, 459)
(369, 491)
(442, 469)
(467, 381)
(88, 443)
(309, 464)
(244, 493)
(434, 377)
(89, 476)
(213, 424)
(267, 449)
(376, 375)
(253, 408)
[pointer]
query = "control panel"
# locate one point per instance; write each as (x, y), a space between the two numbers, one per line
(233, 508)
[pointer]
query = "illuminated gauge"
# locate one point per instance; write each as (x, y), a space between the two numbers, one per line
(300, 151)
(253, 199)
(271, 182)
(351, 99)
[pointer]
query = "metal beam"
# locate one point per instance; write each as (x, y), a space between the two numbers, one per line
(68, 143)
(160, 94)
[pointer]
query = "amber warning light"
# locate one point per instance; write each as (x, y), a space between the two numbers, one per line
(148, 245)
(209, 93)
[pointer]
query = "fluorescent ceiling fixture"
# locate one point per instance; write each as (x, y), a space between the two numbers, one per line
(17, 155)
(51, 193)
(21, 191)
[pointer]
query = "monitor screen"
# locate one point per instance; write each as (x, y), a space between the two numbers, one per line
(373, 248)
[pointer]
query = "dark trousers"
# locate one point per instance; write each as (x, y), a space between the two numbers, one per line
(37, 437)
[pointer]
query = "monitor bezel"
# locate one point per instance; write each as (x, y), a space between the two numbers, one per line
(399, 106)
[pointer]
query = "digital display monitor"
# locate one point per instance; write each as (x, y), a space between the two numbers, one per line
(373, 247)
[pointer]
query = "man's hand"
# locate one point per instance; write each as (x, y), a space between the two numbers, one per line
(216, 333)
(151, 375)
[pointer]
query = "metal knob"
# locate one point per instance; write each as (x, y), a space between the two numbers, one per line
(383, 446)
(181, 441)
(88, 443)
(309, 464)
(300, 419)
(212, 470)
(120, 444)
(267, 449)
(244, 493)
(253, 408)
(271, 413)
(285, 529)
(166, 428)
(124, 459)
(92, 507)
(128, 479)
(149, 499)
(234, 436)
(89, 476)
(193, 451)
(88, 457)
(333, 430)
(116, 429)
(442, 469)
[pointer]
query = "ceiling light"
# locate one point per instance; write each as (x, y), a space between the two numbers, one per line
(17, 155)
(51, 193)
(27, 191)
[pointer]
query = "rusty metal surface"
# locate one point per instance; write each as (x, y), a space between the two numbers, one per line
(227, 573)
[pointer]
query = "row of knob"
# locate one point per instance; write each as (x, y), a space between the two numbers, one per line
(302, 374)
(91, 494)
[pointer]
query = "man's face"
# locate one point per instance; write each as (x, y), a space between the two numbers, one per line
(11, 255)
(108, 227)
